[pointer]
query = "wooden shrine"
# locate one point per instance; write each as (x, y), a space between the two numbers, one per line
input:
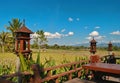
(22, 41)
(109, 46)
(93, 46)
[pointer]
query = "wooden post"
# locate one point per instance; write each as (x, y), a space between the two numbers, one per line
(57, 80)
(36, 77)
(75, 66)
(21, 45)
(28, 44)
(70, 76)
(49, 73)
(79, 73)
(16, 45)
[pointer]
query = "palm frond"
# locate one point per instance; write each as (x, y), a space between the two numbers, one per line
(24, 65)
(38, 58)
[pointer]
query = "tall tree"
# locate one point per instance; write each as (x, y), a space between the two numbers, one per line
(40, 38)
(3, 40)
(14, 25)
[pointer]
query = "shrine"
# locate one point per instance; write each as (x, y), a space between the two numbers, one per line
(109, 48)
(93, 46)
(22, 41)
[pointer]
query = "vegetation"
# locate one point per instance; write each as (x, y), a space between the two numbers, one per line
(64, 47)
(14, 25)
(45, 60)
(3, 39)
(39, 39)
(58, 56)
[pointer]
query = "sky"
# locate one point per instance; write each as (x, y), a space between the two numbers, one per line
(66, 22)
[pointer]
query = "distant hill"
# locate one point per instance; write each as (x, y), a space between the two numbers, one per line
(116, 44)
(99, 45)
(84, 44)
(106, 44)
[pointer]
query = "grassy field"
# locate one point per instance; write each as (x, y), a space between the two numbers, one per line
(57, 55)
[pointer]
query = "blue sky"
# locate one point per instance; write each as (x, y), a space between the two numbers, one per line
(66, 22)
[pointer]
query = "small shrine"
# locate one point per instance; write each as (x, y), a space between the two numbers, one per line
(93, 46)
(109, 48)
(22, 41)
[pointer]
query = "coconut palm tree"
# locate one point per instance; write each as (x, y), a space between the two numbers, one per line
(14, 25)
(39, 38)
(3, 40)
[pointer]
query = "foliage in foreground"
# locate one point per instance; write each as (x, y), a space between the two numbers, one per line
(25, 66)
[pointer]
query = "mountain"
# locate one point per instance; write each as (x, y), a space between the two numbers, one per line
(98, 45)
(84, 44)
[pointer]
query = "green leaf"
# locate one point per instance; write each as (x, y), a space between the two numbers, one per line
(23, 62)
(38, 58)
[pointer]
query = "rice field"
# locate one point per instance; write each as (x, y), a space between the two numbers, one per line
(57, 55)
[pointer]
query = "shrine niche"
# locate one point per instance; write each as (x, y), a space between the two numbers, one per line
(22, 41)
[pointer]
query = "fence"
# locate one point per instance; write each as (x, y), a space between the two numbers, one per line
(74, 67)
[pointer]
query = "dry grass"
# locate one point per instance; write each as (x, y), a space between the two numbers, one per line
(60, 55)
(57, 55)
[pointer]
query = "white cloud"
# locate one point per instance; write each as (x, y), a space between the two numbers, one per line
(115, 33)
(97, 27)
(115, 41)
(96, 38)
(71, 33)
(57, 35)
(94, 33)
(100, 37)
(51, 35)
(70, 19)
(63, 30)
(77, 19)
(89, 38)
(34, 35)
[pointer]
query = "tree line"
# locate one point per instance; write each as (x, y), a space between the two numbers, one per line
(65, 47)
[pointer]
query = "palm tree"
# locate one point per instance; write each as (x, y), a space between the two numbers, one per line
(3, 40)
(40, 38)
(9, 42)
(14, 25)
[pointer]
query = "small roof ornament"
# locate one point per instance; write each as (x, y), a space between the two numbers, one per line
(23, 22)
(93, 41)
